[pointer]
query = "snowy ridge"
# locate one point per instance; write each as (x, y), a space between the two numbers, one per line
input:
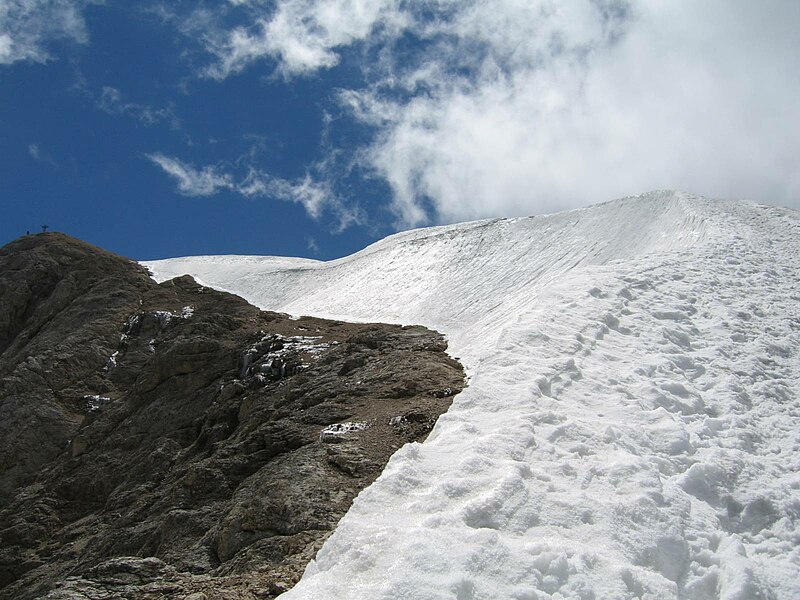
(631, 428)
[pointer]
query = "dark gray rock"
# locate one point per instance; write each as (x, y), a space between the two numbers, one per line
(169, 440)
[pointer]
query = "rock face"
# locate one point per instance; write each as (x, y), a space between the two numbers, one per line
(169, 440)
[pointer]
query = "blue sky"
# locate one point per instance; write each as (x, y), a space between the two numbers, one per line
(306, 128)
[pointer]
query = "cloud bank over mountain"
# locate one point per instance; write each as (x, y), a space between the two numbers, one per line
(510, 108)
(389, 114)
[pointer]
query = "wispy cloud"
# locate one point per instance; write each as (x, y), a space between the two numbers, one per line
(205, 181)
(27, 27)
(314, 196)
(39, 155)
(313, 246)
(112, 101)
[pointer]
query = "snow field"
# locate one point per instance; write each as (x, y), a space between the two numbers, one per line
(632, 424)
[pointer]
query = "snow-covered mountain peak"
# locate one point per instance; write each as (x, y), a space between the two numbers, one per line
(630, 426)
(453, 277)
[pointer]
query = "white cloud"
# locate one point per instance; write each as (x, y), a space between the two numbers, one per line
(28, 26)
(522, 106)
(302, 35)
(314, 196)
(6, 45)
(559, 113)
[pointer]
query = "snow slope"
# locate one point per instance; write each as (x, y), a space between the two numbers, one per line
(632, 424)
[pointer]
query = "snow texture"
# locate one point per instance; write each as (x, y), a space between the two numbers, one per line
(632, 424)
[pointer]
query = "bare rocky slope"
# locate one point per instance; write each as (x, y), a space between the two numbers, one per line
(169, 440)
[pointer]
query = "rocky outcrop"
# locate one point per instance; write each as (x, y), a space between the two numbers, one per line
(61, 302)
(171, 440)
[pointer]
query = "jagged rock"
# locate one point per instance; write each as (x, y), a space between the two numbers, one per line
(164, 441)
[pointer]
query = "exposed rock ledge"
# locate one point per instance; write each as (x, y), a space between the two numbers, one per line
(173, 441)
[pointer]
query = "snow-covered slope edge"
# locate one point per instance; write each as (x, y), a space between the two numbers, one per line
(631, 425)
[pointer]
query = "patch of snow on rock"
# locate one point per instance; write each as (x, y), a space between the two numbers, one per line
(93, 403)
(335, 432)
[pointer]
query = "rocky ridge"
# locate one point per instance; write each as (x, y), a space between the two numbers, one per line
(172, 441)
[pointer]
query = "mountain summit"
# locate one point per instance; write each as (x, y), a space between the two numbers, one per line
(630, 428)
